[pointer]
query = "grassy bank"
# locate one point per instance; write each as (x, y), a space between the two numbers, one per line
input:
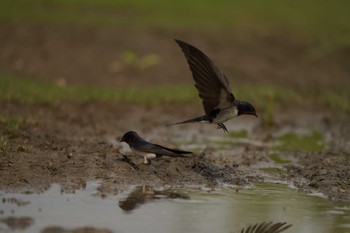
(324, 23)
(26, 90)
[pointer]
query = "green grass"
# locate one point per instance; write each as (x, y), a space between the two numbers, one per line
(5, 154)
(325, 22)
(32, 91)
(10, 124)
(277, 159)
(25, 90)
(313, 142)
(238, 134)
(4, 146)
(13, 88)
(273, 170)
(135, 61)
(338, 100)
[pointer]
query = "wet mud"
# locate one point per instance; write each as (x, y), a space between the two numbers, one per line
(70, 144)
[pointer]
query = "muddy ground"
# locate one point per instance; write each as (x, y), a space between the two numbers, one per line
(70, 143)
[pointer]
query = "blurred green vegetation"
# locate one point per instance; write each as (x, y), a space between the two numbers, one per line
(139, 63)
(325, 22)
(273, 170)
(25, 90)
(9, 124)
(238, 134)
(5, 155)
(313, 142)
(33, 91)
(277, 158)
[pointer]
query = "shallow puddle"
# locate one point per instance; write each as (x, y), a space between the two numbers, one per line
(143, 209)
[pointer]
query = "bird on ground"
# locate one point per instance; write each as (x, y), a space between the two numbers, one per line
(219, 103)
(149, 150)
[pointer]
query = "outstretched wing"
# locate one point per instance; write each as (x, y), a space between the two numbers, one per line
(212, 85)
(267, 228)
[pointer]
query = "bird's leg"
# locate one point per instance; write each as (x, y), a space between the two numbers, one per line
(149, 157)
(124, 158)
(222, 126)
(145, 160)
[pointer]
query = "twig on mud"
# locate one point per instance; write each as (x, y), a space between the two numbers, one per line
(124, 158)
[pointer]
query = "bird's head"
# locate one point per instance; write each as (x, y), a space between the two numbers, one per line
(246, 108)
(129, 136)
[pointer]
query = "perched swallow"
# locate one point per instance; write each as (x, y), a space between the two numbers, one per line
(214, 89)
(149, 150)
(268, 227)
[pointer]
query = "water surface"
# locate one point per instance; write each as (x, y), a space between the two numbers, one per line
(143, 209)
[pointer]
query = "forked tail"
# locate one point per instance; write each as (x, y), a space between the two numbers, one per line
(175, 153)
(204, 118)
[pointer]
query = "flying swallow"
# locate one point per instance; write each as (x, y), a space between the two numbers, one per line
(219, 103)
(148, 150)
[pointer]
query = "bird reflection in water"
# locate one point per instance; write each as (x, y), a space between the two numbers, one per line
(143, 194)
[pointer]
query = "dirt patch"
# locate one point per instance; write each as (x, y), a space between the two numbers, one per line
(108, 56)
(71, 143)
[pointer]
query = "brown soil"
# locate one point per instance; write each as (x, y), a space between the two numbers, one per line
(71, 143)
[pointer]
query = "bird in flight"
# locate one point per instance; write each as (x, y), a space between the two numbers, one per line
(149, 150)
(220, 105)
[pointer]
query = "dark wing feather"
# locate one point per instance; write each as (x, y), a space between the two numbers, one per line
(212, 85)
(147, 147)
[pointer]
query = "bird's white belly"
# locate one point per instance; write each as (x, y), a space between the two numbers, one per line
(226, 114)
